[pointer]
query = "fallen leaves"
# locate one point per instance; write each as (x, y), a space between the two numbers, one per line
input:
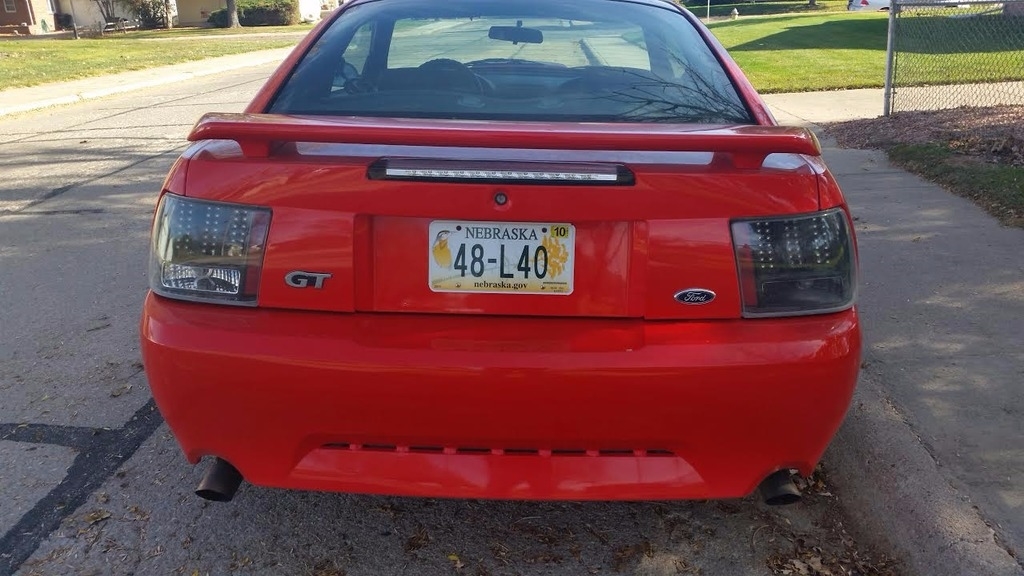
(625, 555)
(136, 513)
(96, 516)
(812, 560)
(121, 390)
(456, 561)
(418, 540)
(327, 568)
(995, 133)
(814, 485)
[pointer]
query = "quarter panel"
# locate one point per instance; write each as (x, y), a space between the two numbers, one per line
(688, 254)
(309, 241)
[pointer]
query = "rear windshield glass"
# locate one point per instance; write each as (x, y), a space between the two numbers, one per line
(532, 60)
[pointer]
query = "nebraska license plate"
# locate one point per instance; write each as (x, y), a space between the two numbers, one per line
(501, 257)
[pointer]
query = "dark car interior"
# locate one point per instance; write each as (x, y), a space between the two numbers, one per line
(670, 88)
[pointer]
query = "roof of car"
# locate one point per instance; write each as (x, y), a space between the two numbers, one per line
(660, 3)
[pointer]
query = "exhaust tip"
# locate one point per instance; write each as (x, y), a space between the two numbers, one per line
(778, 489)
(220, 482)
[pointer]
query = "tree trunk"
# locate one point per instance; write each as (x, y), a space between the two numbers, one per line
(168, 20)
(233, 14)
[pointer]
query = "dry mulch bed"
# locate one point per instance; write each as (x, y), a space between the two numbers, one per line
(993, 134)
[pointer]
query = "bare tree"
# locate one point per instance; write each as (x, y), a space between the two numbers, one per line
(107, 9)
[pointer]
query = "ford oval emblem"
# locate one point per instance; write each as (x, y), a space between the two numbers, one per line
(694, 296)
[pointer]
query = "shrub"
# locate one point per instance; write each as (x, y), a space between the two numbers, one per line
(151, 13)
(63, 21)
(260, 13)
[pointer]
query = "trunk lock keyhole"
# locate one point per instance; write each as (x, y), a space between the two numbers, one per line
(501, 198)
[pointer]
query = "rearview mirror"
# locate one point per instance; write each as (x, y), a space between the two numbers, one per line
(516, 34)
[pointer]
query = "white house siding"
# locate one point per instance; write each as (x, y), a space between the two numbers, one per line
(87, 13)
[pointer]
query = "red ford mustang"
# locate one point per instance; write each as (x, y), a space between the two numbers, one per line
(503, 249)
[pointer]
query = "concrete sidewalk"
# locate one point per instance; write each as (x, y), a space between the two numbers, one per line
(929, 460)
(930, 456)
(816, 108)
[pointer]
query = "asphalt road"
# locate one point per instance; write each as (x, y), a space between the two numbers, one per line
(93, 483)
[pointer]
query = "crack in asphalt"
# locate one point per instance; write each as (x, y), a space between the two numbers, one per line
(76, 212)
(72, 128)
(172, 101)
(59, 191)
(100, 453)
(1010, 551)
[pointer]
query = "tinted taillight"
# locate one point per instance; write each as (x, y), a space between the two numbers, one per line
(795, 265)
(207, 251)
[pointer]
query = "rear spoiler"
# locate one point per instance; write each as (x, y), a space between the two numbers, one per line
(257, 133)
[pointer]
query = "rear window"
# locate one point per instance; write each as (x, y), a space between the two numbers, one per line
(527, 60)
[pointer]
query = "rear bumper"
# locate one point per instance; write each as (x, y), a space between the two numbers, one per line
(487, 407)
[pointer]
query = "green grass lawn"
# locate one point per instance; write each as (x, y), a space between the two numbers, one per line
(30, 62)
(197, 32)
(798, 53)
(764, 8)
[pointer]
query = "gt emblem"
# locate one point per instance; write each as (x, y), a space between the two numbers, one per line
(694, 296)
(300, 279)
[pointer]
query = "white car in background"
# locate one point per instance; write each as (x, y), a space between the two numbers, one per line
(867, 5)
(884, 4)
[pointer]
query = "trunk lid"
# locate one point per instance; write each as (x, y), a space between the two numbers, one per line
(502, 218)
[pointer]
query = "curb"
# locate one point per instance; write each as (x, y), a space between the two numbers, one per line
(895, 494)
(28, 107)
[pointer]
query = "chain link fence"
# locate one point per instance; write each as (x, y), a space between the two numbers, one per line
(948, 54)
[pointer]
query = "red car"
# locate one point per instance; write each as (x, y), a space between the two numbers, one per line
(503, 249)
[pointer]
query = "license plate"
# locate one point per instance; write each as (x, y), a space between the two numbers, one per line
(501, 257)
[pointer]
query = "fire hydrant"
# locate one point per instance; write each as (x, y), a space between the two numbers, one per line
(734, 14)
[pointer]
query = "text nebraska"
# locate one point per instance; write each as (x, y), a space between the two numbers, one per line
(496, 233)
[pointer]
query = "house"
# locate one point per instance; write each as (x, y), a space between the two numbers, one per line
(27, 16)
(87, 14)
(196, 12)
(41, 16)
(44, 16)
